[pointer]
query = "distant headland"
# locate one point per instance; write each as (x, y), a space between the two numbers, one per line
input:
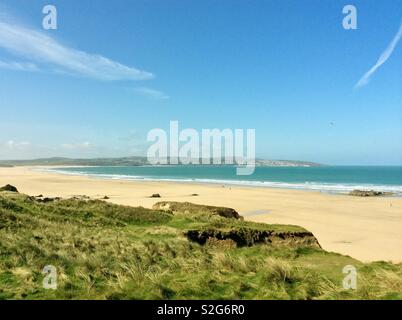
(135, 161)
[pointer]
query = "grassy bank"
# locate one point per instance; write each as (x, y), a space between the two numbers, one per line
(106, 251)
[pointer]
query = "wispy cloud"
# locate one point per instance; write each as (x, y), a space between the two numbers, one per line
(79, 146)
(383, 58)
(22, 149)
(151, 93)
(11, 144)
(38, 47)
(19, 66)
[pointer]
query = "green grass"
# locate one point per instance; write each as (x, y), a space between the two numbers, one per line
(105, 251)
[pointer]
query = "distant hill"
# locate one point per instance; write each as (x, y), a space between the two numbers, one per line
(59, 161)
(133, 161)
(286, 163)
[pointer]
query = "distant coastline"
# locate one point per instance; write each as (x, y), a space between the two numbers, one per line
(139, 161)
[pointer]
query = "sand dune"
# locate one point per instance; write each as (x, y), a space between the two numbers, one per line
(368, 229)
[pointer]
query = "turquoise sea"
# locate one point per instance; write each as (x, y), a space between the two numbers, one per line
(326, 178)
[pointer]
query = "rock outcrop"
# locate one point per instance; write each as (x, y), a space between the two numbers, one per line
(368, 193)
(187, 207)
(244, 236)
(9, 187)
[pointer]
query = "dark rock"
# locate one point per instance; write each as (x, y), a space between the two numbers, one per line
(155, 195)
(195, 195)
(9, 188)
(368, 193)
(105, 198)
(81, 197)
(46, 200)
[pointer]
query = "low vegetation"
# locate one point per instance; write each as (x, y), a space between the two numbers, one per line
(106, 251)
(188, 208)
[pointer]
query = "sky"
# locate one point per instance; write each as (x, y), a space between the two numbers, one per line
(114, 70)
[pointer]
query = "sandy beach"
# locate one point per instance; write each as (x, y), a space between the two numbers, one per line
(368, 229)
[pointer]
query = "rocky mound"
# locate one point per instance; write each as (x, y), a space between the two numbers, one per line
(187, 207)
(9, 187)
(368, 193)
(244, 236)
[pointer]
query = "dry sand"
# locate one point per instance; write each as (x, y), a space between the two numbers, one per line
(367, 229)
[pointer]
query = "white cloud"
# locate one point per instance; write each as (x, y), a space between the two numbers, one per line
(75, 146)
(13, 149)
(46, 51)
(19, 66)
(151, 93)
(383, 58)
(11, 144)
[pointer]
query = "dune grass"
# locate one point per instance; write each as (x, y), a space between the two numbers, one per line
(106, 251)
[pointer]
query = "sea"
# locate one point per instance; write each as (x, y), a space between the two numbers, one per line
(332, 179)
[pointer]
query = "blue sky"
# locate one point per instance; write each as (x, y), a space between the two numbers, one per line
(112, 71)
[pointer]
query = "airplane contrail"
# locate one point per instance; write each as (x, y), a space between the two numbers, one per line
(383, 58)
